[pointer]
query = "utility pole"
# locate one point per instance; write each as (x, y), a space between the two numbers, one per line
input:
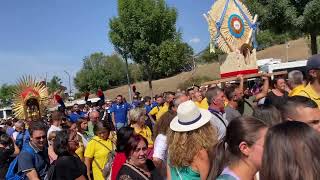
(70, 91)
(128, 79)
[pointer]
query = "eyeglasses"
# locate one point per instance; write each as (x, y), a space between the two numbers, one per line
(40, 137)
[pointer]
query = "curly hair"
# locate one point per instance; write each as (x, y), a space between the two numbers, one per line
(184, 146)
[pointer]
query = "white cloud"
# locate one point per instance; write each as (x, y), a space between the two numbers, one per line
(194, 40)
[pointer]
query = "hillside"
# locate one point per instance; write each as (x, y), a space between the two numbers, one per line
(298, 50)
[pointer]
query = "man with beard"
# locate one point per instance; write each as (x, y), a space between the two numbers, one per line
(119, 112)
(76, 113)
(33, 159)
(278, 95)
(312, 90)
(235, 97)
(162, 107)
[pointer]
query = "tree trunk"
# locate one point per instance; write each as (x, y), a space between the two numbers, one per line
(314, 45)
(149, 73)
(128, 79)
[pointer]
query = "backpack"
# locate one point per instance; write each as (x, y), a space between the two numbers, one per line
(13, 173)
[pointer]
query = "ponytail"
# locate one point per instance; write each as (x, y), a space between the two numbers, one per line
(220, 154)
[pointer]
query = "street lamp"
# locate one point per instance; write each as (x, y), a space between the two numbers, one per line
(70, 91)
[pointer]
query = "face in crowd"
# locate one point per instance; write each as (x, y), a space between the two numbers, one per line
(310, 116)
(160, 100)
(119, 100)
(39, 138)
(198, 96)
(75, 108)
(139, 154)
(94, 116)
(73, 141)
(280, 85)
(219, 100)
(169, 98)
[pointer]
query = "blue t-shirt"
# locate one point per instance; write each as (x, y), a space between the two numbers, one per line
(120, 112)
(74, 117)
(39, 161)
(10, 131)
(148, 108)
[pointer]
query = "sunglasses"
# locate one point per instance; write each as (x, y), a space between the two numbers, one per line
(40, 137)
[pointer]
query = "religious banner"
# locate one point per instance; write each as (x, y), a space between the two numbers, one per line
(233, 29)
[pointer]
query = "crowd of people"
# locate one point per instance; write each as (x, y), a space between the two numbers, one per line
(268, 130)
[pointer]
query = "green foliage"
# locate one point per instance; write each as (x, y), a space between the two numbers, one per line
(268, 38)
(6, 94)
(144, 31)
(100, 71)
(54, 84)
(136, 72)
(208, 57)
(288, 16)
(197, 80)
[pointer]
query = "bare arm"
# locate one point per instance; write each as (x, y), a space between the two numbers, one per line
(113, 119)
(157, 162)
(240, 77)
(265, 89)
(151, 118)
(202, 164)
(168, 173)
(32, 175)
(87, 162)
(81, 178)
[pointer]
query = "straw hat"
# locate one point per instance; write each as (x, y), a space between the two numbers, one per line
(189, 117)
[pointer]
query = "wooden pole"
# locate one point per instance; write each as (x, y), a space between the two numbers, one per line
(245, 77)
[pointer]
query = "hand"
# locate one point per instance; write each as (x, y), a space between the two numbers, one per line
(240, 77)
(265, 76)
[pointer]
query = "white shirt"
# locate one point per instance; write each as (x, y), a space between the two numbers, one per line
(220, 123)
(160, 147)
(84, 140)
(14, 135)
(53, 128)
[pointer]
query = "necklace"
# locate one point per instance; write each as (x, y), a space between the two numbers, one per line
(148, 174)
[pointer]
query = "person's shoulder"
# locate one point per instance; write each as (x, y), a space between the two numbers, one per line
(226, 177)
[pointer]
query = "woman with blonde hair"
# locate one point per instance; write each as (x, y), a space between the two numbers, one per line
(137, 117)
(190, 138)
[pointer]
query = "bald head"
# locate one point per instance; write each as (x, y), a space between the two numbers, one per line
(94, 116)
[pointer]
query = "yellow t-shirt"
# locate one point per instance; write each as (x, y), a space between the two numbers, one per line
(159, 110)
(309, 92)
(99, 153)
(203, 104)
(146, 133)
(296, 91)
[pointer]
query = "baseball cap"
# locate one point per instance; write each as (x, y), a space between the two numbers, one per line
(313, 62)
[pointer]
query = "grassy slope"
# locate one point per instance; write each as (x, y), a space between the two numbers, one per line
(298, 50)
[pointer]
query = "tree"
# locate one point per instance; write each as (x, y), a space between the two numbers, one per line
(102, 71)
(144, 31)
(6, 94)
(289, 16)
(54, 84)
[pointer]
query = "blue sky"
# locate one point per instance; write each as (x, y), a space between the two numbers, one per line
(47, 37)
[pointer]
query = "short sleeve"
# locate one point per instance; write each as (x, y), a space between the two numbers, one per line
(25, 162)
(160, 147)
(89, 152)
(153, 111)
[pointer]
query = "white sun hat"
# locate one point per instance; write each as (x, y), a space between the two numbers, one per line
(189, 117)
